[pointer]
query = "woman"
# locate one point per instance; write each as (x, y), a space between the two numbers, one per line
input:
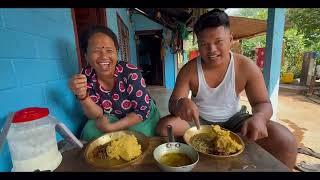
(112, 93)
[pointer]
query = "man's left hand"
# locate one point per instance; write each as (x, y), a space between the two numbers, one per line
(255, 128)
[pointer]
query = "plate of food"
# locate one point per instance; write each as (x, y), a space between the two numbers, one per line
(214, 141)
(116, 150)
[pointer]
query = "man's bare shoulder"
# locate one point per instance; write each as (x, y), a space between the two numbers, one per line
(245, 64)
(189, 66)
(187, 73)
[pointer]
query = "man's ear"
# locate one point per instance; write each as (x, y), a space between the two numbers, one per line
(231, 37)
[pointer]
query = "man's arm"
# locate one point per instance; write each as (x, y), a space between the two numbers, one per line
(256, 126)
(257, 92)
(181, 89)
(179, 104)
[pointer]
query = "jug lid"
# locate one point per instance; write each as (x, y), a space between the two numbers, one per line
(30, 114)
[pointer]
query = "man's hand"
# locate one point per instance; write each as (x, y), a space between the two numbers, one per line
(188, 111)
(78, 85)
(255, 128)
(104, 125)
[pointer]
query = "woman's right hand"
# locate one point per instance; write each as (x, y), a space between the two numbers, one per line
(78, 85)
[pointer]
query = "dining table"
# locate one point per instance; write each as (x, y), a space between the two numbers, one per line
(254, 158)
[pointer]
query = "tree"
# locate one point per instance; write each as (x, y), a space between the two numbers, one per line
(248, 45)
(294, 48)
(302, 34)
(306, 21)
(255, 13)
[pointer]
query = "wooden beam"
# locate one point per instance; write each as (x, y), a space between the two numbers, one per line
(152, 18)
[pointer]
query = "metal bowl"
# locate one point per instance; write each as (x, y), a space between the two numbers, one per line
(114, 163)
(207, 129)
(176, 147)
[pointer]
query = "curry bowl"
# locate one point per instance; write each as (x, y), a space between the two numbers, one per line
(91, 149)
(190, 156)
(206, 129)
(175, 156)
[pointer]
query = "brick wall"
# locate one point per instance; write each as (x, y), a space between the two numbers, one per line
(37, 57)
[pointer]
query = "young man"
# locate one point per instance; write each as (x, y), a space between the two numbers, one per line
(216, 79)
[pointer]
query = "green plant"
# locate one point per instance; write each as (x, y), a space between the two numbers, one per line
(306, 21)
(294, 48)
(248, 45)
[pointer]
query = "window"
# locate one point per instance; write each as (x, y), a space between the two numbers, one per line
(123, 40)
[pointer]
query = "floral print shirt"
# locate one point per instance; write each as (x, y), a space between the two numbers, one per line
(129, 93)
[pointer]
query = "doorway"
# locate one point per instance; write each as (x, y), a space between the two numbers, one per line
(83, 18)
(149, 56)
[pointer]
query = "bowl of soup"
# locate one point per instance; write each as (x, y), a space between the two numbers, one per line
(175, 157)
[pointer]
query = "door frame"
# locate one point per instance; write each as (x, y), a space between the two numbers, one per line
(151, 32)
(102, 20)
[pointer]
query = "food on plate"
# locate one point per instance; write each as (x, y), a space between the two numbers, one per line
(223, 143)
(217, 142)
(126, 147)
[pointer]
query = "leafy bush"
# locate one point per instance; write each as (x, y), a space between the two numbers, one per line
(248, 45)
(294, 49)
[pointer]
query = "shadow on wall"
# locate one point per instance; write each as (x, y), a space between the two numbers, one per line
(60, 97)
(68, 109)
(70, 65)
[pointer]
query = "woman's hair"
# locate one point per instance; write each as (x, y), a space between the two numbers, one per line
(213, 18)
(97, 29)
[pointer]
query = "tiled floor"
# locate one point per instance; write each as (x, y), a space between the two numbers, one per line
(298, 113)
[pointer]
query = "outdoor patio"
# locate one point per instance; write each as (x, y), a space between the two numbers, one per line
(297, 112)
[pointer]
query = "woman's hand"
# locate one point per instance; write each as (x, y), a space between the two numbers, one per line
(78, 85)
(104, 125)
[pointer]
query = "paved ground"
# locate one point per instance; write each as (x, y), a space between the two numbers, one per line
(297, 112)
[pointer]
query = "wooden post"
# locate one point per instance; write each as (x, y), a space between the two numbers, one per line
(272, 65)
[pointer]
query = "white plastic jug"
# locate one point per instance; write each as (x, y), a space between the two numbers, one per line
(32, 141)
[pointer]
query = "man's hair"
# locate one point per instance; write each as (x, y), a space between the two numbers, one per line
(97, 29)
(213, 18)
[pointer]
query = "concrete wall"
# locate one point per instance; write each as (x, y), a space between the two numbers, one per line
(37, 57)
(113, 25)
(141, 23)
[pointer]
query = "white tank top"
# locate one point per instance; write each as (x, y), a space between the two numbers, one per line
(220, 103)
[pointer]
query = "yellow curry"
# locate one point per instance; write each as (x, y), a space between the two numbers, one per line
(218, 142)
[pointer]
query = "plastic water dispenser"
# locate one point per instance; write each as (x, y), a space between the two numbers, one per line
(32, 141)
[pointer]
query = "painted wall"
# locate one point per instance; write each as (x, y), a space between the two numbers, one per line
(141, 23)
(37, 57)
(113, 25)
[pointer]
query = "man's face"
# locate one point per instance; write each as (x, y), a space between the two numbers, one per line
(102, 54)
(214, 45)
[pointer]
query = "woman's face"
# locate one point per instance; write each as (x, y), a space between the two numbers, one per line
(102, 54)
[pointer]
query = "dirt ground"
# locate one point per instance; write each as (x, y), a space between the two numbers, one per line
(301, 115)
